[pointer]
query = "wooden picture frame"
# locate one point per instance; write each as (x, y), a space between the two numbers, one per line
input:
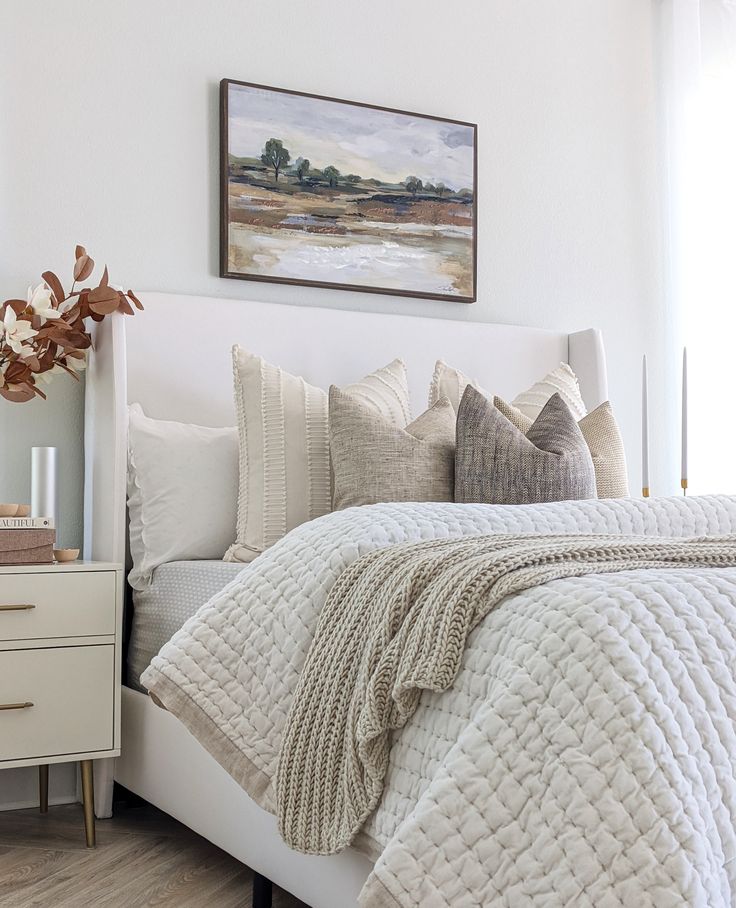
(289, 219)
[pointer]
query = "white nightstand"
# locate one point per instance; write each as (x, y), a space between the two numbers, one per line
(60, 650)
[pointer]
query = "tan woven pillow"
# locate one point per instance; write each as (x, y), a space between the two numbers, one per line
(603, 437)
(374, 461)
(451, 383)
(284, 450)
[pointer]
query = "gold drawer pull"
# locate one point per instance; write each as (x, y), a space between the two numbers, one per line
(25, 705)
(21, 607)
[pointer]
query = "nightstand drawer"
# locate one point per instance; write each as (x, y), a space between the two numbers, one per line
(79, 604)
(71, 691)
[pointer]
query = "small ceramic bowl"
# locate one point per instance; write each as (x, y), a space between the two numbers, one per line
(64, 555)
(8, 510)
(24, 510)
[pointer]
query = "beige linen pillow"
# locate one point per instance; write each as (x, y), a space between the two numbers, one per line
(284, 445)
(374, 460)
(603, 437)
(497, 463)
(451, 383)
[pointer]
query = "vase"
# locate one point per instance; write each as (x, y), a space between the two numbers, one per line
(44, 502)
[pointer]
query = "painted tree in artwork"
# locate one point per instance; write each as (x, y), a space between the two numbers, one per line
(302, 168)
(413, 185)
(276, 156)
(331, 174)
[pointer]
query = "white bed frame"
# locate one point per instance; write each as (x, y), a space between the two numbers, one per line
(174, 359)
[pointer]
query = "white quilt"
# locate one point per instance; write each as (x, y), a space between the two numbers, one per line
(585, 753)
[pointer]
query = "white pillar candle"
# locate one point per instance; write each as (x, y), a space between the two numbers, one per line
(683, 471)
(644, 429)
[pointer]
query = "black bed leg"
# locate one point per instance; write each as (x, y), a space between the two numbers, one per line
(262, 891)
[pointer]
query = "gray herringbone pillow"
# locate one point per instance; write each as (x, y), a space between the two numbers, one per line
(375, 461)
(603, 437)
(496, 463)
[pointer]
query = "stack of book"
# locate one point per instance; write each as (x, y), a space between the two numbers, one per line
(27, 540)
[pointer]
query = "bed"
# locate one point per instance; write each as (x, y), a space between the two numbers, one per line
(160, 760)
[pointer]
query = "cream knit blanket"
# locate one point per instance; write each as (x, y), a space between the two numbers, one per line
(395, 624)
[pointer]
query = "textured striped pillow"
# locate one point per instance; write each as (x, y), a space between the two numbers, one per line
(284, 445)
(603, 437)
(451, 383)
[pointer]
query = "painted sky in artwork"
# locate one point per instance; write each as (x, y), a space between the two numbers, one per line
(371, 143)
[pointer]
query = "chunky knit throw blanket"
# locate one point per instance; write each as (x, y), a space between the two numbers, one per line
(395, 624)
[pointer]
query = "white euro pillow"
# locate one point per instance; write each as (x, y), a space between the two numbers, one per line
(182, 492)
(449, 382)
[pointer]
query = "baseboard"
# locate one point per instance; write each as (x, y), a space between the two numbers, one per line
(25, 805)
(19, 786)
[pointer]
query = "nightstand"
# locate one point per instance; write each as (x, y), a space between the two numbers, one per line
(60, 651)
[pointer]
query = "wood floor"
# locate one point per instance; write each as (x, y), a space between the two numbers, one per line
(143, 858)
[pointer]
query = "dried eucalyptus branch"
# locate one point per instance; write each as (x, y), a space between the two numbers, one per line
(47, 333)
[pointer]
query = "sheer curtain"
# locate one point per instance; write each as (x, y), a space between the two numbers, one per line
(698, 68)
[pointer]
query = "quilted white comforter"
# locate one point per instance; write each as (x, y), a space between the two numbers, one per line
(585, 753)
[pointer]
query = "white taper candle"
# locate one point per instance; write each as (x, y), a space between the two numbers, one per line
(644, 429)
(683, 471)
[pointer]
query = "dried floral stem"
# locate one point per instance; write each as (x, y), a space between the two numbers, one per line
(41, 335)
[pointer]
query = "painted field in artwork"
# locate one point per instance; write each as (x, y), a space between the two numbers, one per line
(335, 193)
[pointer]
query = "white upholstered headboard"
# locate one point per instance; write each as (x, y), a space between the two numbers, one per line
(174, 359)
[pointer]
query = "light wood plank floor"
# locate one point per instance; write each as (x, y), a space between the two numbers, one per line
(143, 858)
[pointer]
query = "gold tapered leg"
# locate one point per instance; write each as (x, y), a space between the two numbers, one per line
(43, 788)
(88, 801)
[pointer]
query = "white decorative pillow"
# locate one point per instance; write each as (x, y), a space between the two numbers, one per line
(451, 383)
(284, 445)
(182, 492)
(562, 381)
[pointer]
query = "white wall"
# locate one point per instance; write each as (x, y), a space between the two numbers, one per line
(109, 137)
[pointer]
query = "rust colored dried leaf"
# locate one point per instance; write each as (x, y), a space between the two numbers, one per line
(57, 334)
(79, 252)
(137, 302)
(18, 394)
(75, 341)
(17, 372)
(83, 267)
(60, 324)
(105, 308)
(102, 294)
(17, 306)
(104, 280)
(70, 371)
(54, 285)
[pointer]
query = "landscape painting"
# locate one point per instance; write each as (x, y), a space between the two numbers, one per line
(331, 193)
